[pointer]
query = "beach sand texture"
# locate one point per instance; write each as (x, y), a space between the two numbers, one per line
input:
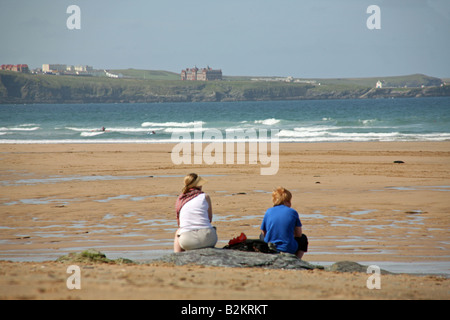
(355, 204)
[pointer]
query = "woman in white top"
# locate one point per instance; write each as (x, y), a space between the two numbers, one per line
(194, 217)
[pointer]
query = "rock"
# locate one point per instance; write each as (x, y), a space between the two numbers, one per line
(350, 266)
(215, 257)
(233, 258)
(91, 256)
(415, 212)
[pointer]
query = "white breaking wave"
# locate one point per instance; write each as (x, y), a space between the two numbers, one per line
(268, 122)
(367, 121)
(132, 129)
(306, 132)
(317, 134)
(97, 130)
(91, 134)
(299, 134)
(184, 130)
(173, 124)
(20, 129)
(325, 138)
(82, 129)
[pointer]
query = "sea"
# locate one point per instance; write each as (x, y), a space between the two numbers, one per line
(302, 121)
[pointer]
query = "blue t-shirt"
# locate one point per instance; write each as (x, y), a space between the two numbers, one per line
(279, 224)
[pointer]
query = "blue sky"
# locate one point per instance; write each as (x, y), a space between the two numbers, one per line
(299, 38)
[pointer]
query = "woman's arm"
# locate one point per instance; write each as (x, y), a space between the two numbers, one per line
(210, 214)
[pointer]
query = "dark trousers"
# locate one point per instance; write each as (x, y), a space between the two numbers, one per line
(302, 243)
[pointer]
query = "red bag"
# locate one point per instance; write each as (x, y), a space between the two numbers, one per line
(239, 239)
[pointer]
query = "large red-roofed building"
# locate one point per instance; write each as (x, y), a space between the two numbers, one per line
(17, 67)
(204, 74)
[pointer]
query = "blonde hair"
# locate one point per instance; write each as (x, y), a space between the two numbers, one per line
(189, 181)
(280, 196)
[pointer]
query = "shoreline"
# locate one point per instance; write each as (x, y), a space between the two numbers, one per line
(73, 142)
(355, 204)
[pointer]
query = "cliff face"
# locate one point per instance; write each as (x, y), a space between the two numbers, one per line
(26, 88)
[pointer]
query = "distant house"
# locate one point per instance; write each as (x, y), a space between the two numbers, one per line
(15, 67)
(54, 68)
(204, 74)
(83, 68)
(379, 85)
(67, 69)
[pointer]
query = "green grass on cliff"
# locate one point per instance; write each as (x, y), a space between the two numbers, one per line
(163, 86)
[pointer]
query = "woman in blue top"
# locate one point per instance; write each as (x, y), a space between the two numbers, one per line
(281, 225)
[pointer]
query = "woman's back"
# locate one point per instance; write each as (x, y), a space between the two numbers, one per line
(194, 214)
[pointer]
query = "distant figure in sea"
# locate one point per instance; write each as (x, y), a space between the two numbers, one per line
(103, 128)
(281, 225)
(194, 217)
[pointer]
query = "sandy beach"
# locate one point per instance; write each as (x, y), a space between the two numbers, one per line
(355, 204)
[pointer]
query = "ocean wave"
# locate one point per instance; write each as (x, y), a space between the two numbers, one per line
(349, 137)
(331, 135)
(82, 129)
(29, 125)
(364, 122)
(133, 129)
(82, 141)
(173, 124)
(316, 129)
(19, 129)
(118, 129)
(268, 122)
(295, 134)
(367, 121)
(306, 132)
(186, 130)
(91, 134)
(304, 136)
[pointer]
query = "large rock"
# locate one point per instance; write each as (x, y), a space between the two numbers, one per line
(91, 256)
(216, 257)
(350, 266)
(233, 258)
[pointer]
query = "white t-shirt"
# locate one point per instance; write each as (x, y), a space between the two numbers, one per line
(194, 214)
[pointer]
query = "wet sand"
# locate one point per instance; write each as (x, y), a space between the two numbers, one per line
(355, 204)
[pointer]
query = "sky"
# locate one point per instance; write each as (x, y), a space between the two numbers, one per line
(298, 38)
